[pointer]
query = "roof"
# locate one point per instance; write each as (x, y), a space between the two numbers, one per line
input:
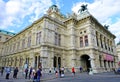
(118, 43)
(6, 32)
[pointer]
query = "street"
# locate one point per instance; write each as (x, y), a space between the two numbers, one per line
(79, 77)
(103, 77)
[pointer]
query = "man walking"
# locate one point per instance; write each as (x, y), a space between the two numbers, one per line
(8, 71)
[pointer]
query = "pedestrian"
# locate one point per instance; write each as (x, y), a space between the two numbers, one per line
(56, 73)
(34, 73)
(2, 70)
(38, 74)
(30, 72)
(15, 72)
(81, 69)
(26, 72)
(8, 71)
(62, 72)
(73, 71)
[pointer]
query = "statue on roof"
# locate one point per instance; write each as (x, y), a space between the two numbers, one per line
(83, 8)
(106, 26)
(53, 8)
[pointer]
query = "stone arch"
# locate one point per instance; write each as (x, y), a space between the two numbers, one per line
(59, 62)
(85, 62)
(37, 60)
(55, 62)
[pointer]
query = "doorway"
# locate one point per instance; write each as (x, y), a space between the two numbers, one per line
(85, 62)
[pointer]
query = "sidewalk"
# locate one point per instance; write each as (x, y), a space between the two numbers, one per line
(21, 77)
(46, 76)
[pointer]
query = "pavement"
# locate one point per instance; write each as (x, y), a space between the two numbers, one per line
(21, 77)
(47, 77)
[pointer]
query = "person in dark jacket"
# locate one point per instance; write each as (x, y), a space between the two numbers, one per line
(2, 70)
(30, 72)
(38, 75)
(26, 73)
(15, 72)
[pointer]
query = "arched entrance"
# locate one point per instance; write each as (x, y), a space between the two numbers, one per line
(38, 62)
(85, 62)
(57, 62)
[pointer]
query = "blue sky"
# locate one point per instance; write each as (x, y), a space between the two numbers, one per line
(16, 15)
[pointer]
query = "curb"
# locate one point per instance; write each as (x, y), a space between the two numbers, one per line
(47, 79)
(43, 79)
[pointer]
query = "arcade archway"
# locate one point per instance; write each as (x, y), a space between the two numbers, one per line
(57, 62)
(85, 62)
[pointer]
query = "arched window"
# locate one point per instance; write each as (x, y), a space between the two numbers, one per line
(81, 41)
(59, 62)
(55, 62)
(86, 40)
(100, 60)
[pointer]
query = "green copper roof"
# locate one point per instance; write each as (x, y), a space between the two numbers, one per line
(54, 6)
(6, 32)
(118, 43)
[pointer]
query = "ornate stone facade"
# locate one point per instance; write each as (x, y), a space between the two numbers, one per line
(118, 51)
(55, 41)
(4, 36)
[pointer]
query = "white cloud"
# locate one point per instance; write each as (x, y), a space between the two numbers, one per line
(14, 11)
(105, 12)
(12, 7)
(115, 29)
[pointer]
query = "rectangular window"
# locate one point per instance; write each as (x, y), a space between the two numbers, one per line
(105, 43)
(38, 38)
(18, 45)
(57, 39)
(0, 38)
(14, 47)
(29, 41)
(81, 41)
(97, 39)
(86, 40)
(101, 41)
(23, 43)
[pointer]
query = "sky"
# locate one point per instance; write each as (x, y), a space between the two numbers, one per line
(16, 15)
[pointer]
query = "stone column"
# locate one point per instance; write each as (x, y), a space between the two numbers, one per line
(51, 60)
(91, 37)
(92, 62)
(72, 35)
(63, 59)
(32, 59)
(44, 59)
(107, 65)
(73, 59)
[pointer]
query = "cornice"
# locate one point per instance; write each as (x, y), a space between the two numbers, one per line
(54, 20)
(92, 18)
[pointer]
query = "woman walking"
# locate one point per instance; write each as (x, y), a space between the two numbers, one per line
(73, 71)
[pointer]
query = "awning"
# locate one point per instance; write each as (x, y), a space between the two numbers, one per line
(108, 57)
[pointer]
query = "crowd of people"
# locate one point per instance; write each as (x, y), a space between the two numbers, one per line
(29, 73)
(35, 75)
